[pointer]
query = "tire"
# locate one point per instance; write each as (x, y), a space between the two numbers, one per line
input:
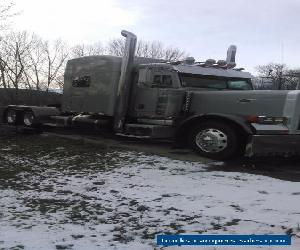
(28, 118)
(215, 140)
(7, 118)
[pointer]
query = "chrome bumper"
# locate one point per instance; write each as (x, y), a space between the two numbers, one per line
(260, 145)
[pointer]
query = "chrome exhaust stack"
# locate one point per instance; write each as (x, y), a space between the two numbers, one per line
(231, 52)
(122, 99)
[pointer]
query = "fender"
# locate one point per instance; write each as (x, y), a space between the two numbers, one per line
(41, 112)
(236, 119)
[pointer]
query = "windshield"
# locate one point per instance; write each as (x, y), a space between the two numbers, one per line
(213, 82)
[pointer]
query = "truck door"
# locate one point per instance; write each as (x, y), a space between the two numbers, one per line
(144, 95)
(158, 96)
(170, 95)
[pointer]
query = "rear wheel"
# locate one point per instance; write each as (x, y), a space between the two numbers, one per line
(28, 118)
(214, 140)
(11, 116)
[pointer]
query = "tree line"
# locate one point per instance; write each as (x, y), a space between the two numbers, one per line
(28, 61)
(277, 76)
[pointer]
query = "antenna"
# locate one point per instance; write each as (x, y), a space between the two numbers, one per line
(282, 53)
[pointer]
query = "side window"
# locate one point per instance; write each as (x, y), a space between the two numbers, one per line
(162, 81)
(157, 80)
(167, 80)
(239, 85)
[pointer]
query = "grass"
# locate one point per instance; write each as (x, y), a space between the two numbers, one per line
(24, 157)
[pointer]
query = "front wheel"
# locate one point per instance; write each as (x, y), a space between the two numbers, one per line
(214, 140)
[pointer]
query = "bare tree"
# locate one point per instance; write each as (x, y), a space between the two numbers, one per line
(276, 74)
(293, 79)
(14, 49)
(6, 13)
(87, 50)
(154, 49)
(56, 57)
(35, 63)
(116, 47)
(26, 61)
(174, 54)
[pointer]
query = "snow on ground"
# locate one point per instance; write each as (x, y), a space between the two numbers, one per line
(82, 197)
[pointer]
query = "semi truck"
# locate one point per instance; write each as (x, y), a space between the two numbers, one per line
(211, 105)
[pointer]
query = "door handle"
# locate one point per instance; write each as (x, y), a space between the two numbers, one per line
(245, 100)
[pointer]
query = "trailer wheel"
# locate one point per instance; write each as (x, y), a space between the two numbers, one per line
(28, 118)
(214, 140)
(11, 116)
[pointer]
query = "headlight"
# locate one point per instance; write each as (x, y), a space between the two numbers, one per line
(271, 120)
(11, 116)
(267, 119)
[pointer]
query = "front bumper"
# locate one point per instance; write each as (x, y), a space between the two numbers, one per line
(260, 145)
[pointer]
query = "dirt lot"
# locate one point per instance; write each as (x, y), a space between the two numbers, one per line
(75, 193)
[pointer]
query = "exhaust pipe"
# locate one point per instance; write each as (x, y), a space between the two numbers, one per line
(231, 52)
(122, 100)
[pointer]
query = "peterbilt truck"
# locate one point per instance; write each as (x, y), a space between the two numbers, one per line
(210, 105)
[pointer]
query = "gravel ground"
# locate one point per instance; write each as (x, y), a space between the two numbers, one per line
(66, 194)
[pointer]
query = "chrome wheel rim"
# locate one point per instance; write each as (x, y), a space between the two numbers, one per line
(211, 140)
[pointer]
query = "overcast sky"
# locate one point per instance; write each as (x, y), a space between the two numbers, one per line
(263, 30)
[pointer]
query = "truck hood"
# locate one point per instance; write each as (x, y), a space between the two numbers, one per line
(253, 102)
